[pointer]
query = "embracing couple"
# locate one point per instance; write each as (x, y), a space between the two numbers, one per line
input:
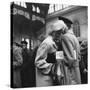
(57, 58)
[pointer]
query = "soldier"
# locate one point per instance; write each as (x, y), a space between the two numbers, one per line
(71, 50)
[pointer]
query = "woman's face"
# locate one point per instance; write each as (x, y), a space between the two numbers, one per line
(57, 37)
(57, 34)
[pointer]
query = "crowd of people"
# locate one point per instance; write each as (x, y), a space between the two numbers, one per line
(23, 72)
(56, 61)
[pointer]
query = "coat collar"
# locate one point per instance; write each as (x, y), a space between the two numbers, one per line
(70, 31)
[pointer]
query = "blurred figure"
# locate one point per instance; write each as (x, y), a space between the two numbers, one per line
(24, 71)
(24, 52)
(28, 68)
(45, 60)
(71, 50)
(17, 63)
(84, 62)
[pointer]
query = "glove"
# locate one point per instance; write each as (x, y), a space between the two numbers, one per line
(57, 74)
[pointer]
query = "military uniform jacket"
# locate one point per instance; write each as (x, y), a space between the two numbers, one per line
(71, 44)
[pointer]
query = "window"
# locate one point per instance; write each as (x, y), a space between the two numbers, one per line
(56, 7)
(64, 6)
(38, 10)
(76, 28)
(22, 39)
(28, 44)
(33, 8)
(22, 4)
(17, 3)
(51, 8)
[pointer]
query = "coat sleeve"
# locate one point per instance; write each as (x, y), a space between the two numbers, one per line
(40, 60)
(68, 49)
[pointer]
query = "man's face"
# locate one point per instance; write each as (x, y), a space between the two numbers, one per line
(24, 46)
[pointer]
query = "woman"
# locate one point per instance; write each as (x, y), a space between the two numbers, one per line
(45, 60)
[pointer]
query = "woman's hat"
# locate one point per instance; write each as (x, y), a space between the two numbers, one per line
(66, 21)
(58, 25)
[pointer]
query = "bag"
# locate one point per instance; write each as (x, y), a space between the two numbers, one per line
(58, 75)
(58, 68)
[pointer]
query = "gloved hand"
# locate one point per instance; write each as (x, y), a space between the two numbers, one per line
(57, 73)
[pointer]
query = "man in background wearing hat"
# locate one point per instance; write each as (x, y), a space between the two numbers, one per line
(71, 50)
(45, 60)
(28, 67)
(24, 71)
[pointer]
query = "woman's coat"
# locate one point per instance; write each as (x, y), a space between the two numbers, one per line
(43, 64)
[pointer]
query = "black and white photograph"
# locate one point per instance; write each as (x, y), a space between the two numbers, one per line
(49, 44)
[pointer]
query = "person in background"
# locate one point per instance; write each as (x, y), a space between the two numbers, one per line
(24, 52)
(24, 72)
(17, 63)
(71, 50)
(28, 71)
(83, 62)
(45, 60)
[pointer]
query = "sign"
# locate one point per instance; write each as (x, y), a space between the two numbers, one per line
(21, 12)
(26, 15)
(59, 55)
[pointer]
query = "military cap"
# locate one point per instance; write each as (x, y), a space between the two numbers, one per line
(23, 42)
